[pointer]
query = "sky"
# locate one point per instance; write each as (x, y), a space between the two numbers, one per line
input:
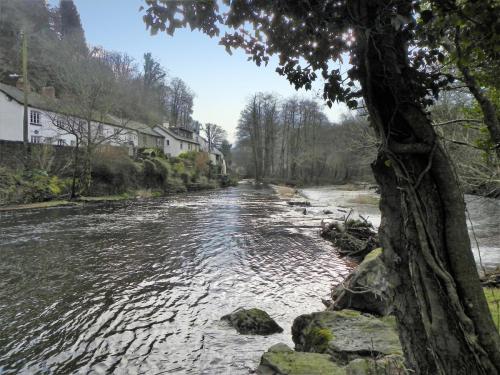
(222, 82)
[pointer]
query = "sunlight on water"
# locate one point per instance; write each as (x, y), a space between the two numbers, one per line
(140, 287)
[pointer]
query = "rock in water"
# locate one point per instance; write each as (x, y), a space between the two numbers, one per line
(281, 360)
(353, 238)
(366, 289)
(252, 321)
(346, 335)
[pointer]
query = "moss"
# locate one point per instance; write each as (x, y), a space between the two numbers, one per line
(298, 363)
(319, 338)
(493, 298)
(348, 313)
(373, 254)
(257, 314)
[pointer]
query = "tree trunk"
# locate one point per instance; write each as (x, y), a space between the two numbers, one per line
(490, 116)
(76, 150)
(444, 322)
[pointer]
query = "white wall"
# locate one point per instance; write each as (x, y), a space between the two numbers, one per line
(11, 119)
(11, 127)
(173, 146)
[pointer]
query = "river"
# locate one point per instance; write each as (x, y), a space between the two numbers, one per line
(139, 287)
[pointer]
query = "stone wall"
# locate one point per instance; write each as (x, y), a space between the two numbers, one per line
(56, 158)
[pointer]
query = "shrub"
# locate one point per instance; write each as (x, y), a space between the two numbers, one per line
(113, 175)
(175, 185)
(38, 186)
(9, 186)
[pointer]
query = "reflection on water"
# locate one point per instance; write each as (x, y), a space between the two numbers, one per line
(139, 287)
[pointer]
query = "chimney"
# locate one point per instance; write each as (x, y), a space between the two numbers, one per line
(20, 85)
(48, 92)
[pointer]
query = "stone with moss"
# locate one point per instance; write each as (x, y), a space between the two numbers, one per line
(366, 288)
(252, 321)
(351, 334)
(493, 298)
(388, 365)
(281, 360)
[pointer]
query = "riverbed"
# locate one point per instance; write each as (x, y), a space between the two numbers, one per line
(139, 287)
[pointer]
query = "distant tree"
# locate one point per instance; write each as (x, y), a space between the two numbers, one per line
(215, 135)
(93, 101)
(153, 75)
(31, 17)
(225, 147)
(179, 103)
(71, 26)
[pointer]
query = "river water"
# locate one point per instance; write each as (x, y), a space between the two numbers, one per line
(139, 287)
(483, 217)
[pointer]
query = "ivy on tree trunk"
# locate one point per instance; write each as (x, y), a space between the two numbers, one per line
(443, 318)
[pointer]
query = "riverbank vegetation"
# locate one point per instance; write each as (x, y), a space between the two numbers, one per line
(114, 176)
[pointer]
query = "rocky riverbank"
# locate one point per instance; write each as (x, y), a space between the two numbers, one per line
(356, 334)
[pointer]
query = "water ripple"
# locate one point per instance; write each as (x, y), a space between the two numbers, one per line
(139, 287)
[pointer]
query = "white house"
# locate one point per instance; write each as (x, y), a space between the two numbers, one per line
(42, 122)
(177, 141)
(43, 119)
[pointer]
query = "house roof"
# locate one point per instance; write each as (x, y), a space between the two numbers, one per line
(175, 135)
(140, 127)
(34, 99)
(38, 101)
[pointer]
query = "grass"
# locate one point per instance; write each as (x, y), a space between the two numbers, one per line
(493, 298)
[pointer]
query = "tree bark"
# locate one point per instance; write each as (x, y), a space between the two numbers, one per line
(444, 322)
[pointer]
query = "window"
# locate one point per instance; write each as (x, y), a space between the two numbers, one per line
(168, 142)
(158, 142)
(181, 145)
(100, 130)
(60, 123)
(35, 118)
(36, 139)
(49, 140)
(61, 142)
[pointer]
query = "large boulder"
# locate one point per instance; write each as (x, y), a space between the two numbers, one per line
(346, 335)
(252, 321)
(281, 360)
(366, 288)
